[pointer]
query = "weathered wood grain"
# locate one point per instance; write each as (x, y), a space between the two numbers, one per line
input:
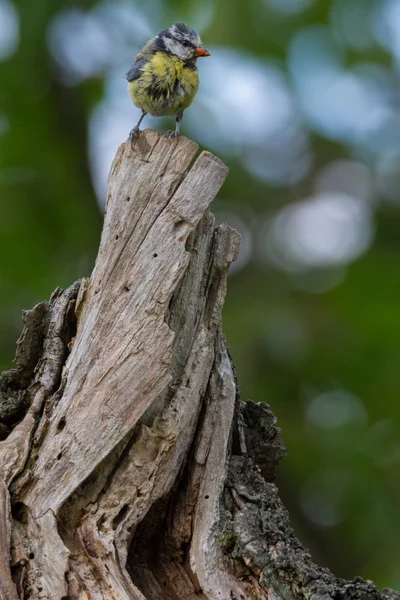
(130, 468)
(133, 366)
(7, 587)
(125, 316)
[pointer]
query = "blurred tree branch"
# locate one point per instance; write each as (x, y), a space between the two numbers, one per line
(130, 468)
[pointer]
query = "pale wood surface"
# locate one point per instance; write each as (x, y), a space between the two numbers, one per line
(130, 468)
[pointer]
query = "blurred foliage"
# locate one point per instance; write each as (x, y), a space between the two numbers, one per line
(312, 311)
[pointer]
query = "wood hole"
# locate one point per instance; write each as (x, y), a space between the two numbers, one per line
(61, 424)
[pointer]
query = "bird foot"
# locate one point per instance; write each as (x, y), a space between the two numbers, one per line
(172, 133)
(133, 134)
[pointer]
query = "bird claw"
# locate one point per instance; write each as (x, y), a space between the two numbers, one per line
(133, 134)
(172, 133)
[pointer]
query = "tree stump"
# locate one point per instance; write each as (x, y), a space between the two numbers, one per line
(129, 466)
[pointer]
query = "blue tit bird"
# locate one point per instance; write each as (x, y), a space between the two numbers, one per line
(164, 80)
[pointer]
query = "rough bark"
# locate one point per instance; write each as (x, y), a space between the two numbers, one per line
(129, 466)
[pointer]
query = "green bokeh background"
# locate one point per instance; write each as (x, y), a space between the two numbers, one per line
(291, 345)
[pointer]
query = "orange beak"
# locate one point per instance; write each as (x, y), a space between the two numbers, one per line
(202, 52)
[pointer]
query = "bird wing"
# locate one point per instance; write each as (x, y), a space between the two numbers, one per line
(136, 70)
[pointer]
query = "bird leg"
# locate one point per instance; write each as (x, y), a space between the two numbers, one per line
(133, 132)
(177, 126)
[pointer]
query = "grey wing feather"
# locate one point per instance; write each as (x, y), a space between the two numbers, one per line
(136, 70)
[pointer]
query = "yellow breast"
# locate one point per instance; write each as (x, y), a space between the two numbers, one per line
(166, 86)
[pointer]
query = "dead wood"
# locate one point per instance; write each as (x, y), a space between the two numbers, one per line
(129, 467)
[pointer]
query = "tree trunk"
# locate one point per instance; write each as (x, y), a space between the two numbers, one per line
(129, 467)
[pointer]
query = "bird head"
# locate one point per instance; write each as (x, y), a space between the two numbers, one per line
(181, 41)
